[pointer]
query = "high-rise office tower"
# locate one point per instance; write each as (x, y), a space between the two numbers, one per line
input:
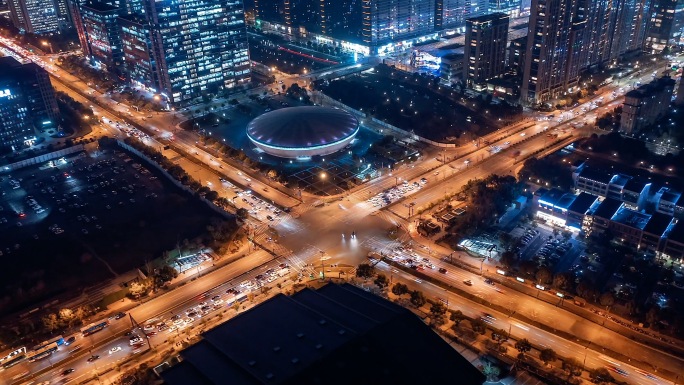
(35, 16)
(27, 102)
(199, 47)
(598, 32)
(369, 26)
(183, 49)
(485, 47)
(385, 21)
(627, 30)
(136, 43)
(510, 7)
(450, 14)
(665, 24)
(101, 26)
(554, 49)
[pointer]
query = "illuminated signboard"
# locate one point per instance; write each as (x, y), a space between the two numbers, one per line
(5, 93)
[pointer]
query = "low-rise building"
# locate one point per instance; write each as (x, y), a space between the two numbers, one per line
(593, 181)
(635, 193)
(627, 226)
(451, 68)
(674, 241)
(666, 200)
(577, 211)
(603, 213)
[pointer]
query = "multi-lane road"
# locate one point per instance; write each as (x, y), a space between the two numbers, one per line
(318, 237)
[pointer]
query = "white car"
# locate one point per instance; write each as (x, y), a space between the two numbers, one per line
(114, 349)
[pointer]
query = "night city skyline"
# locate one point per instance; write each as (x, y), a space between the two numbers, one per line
(341, 191)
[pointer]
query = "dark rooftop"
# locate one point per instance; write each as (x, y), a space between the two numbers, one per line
(676, 232)
(582, 203)
(607, 208)
(658, 223)
(338, 334)
(636, 185)
(595, 175)
(631, 218)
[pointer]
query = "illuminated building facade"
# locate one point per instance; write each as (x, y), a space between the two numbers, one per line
(35, 16)
(364, 26)
(665, 24)
(182, 49)
(137, 50)
(27, 101)
(199, 47)
(485, 47)
(101, 26)
(554, 50)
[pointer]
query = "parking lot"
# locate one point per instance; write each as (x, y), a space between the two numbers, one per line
(396, 193)
(541, 245)
(79, 220)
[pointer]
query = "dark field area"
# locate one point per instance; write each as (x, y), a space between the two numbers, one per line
(93, 217)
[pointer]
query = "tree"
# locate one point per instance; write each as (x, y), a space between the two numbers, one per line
(601, 375)
(364, 270)
(242, 213)
(417, 298)
(437, 312)
(607, 299)
(457, 316)
(67, 316)
(478, 326)
(543, 275)
(138, 288)
(523, 346)
(508, 259)
(381, 281)
(573, 366)
(82, 313)
(548, 355)
(561, 281)
(211, 195)
(51, 322)
(399, 289)
(499, 336)
(491, 372)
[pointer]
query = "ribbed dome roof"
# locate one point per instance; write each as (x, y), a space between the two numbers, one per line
(302, 127)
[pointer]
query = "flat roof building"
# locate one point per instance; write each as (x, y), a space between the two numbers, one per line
(646, 104)
(486, 40)
(27, 103)
(338, 334)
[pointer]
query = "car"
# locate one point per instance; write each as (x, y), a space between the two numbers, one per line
(69, 340)
(68, 371)
(442, 270)
(468, 282)
(114, 349)
(119, 315)
(489, 282)
(93, 358)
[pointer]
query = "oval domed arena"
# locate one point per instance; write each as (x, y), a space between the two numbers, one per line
(296, 132)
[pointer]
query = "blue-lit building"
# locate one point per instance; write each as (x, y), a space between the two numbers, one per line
(367, 27)
(199, 47)
(27, 103)
(101, 26)
(182, 49)
(35, 16)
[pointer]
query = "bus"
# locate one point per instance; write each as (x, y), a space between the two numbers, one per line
(57, 341)
(13, 361)
(94, 328)
(41, 353)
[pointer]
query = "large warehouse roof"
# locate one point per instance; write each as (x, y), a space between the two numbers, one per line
(302, 127)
